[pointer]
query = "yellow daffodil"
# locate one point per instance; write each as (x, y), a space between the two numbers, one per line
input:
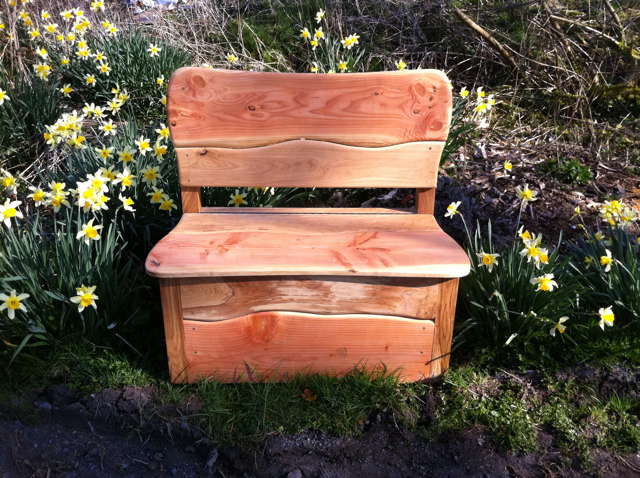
(231, 58)
(156, 196)
(125, 178)
(42, 70)
(127, 203)
(305, 33)
(89, 80)
(464, 92)
(13, 302)
(89, 232)
(85, 297)
(318, 34)
(64, 61)
(314, 44)
(105, 153)
(167, 204)
(319, 15)
(525, 194)
(108, 128)
(607, 317)
(598, 236)
(83, 53)
(97, 5)
(163, 131)
(452, 209)
(314, 68)
(342, 66)
(350, 41)
(559, 326)
(8, 182)
(38, 196)
(126, 155)
(104, 68)
(151, 175)
(237, 199)
(488, 260)
(163, 100)
(545, 283)
(508, 166)
(401, 65)
(143, 144)
(42, 53)
(66, 89)
(606, 260)
(160, 80)
(160, 150)
(3, 96)
(9, 210)
(67, 15)
(154, 50)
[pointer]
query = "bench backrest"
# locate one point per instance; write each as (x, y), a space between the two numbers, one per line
(242, 128)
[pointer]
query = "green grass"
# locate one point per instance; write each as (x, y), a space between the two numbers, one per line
(511, 407)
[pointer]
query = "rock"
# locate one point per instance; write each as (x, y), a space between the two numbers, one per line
(42, 405)
(294, 473)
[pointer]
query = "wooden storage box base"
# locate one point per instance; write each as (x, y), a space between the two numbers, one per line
(236, 329)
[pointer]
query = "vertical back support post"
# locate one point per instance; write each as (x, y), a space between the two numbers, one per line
(191, 199)
(425, 200)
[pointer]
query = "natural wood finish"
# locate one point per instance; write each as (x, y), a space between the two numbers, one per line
(306, 210)
(241, 109)
(279, 344)
(444, 326)
(393, 245)
(425, 200)
(191, 198)
(222, 298)
(308, 163)
(173, 329)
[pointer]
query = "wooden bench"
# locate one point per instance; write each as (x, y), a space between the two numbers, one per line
(265, 293)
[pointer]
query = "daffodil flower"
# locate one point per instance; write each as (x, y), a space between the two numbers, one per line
(38, 196)
(3, 96)
(143, 144)
(126, 178)
(452, 209)
(401, 65)
(545, 283)
(342, 65)
(507, 165)
(108, 128)
(488, 260)
(559, 326)
(154, 50)
(237, 199)
(231, 58)
(606, 260)
(607, 317)
(89, 232)
(319, 15)
(156, 196)
(13, 302)
(525, 194)
(9, 210)
(126, 155)
(167, 204)
(127, 203)
(350, 41)
(85, 297)
(305, 33)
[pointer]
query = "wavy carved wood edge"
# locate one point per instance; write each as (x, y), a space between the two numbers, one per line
(281, 344)
(311, 163)
(239, 109)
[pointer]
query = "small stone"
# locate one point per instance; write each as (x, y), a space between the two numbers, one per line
(294, 473)
(42, 405)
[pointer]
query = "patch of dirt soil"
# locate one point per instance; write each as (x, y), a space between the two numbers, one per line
(125, 433)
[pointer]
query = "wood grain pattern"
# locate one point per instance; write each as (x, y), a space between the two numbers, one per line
(240, 109)
(393, 245)
(306, 210)
(277, 345)
(191, 198)
(211, 299)
(444, 326)
(426, 200)
(308, 163)
(173, 329)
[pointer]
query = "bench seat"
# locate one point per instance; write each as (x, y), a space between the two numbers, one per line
(257, 243)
